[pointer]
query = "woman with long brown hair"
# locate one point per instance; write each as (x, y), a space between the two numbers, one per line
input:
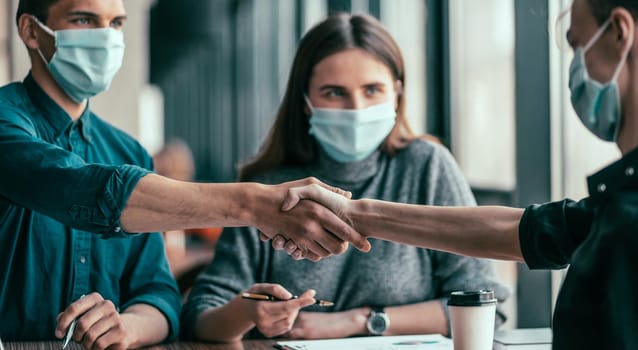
(342, 120)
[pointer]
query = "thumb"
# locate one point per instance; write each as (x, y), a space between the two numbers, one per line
(327, 196)
(296, 194)
(307, 298)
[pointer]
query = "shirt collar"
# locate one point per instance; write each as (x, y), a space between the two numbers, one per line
(615, 176)
(57, 117)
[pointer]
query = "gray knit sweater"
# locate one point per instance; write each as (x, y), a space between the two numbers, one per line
(391, 274)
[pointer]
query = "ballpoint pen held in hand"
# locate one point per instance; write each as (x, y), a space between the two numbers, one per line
(268, 297)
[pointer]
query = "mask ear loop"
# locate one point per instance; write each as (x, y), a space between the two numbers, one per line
(307, 99)
(596, 36)
(625, 55)
(48, 31)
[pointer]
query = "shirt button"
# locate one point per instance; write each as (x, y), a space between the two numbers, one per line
(602, 188)
(82, 259)
(117, 229)
(629, 171)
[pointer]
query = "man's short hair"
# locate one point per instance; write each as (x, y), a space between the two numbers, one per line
(38, 8)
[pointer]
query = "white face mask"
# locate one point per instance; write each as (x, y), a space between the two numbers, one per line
(85, 60)
(350, 135)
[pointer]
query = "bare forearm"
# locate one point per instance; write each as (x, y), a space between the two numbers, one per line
(422, 318)
(226, 323)
(486, 231)
(162, 204)
(145, 325)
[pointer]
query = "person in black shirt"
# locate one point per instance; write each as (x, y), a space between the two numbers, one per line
(597, 237)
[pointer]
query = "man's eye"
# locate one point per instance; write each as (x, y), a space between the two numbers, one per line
(82, 21)
(117, 24)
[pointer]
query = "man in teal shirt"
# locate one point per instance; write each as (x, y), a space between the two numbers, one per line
(72, 188)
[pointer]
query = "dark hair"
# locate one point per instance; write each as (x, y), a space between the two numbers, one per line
(38, 8)
(288, 142)
(601, 9)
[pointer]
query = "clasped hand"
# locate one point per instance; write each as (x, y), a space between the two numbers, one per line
(325, 205)
(311, 229)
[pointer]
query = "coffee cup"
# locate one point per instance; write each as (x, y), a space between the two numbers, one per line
(472, 315)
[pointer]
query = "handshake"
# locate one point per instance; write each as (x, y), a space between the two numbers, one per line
(313, 220)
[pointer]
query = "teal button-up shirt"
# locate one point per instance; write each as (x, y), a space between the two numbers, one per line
(63, 186)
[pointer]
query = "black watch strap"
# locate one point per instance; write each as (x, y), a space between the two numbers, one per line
(377, 309)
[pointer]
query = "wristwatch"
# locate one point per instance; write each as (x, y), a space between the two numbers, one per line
(378, 321)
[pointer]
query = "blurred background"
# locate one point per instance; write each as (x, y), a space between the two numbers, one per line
(485, 76)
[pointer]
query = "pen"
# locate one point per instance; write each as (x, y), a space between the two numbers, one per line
(268, 297)
(69, 333)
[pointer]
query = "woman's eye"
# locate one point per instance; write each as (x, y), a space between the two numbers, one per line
(371, 90)
(336, 93)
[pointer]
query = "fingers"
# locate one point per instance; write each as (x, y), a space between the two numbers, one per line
(278, 242)
(75, 310)
(105, 331)
(319, 192)
(275, 318)
(99, 325)
(346, 233)
(276, 290)
(337, 190)
(96, 323)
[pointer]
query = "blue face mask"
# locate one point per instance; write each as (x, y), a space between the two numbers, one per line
(350, 135)
(85, 60)
(597, 105)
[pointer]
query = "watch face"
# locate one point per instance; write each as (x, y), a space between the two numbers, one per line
(378, 323)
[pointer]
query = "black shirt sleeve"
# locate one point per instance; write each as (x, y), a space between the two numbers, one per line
(549, 233)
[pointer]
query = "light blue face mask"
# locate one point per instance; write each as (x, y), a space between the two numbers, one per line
(597, 105)
(350, 135)
(85, 60)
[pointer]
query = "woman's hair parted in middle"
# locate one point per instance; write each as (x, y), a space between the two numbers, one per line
(288, 142)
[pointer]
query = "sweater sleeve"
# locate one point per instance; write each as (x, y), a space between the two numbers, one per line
(238, 261)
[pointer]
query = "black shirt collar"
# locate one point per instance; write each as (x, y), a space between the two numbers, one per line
(614, 177)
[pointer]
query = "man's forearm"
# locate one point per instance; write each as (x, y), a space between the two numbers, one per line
(486, 231)
(145, 325)
(162, 204)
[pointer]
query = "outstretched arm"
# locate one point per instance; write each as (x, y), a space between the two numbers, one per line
(159, 203)
(484, 231)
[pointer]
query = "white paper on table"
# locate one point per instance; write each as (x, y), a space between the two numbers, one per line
(401, 342)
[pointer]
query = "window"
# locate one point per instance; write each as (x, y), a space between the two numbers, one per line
(482, 91)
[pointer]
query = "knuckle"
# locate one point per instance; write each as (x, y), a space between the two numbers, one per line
(101, 343)
(96, 296)
(82, 326)
(90, 337)
(108, 303)
(288, 325)
(74, 309)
